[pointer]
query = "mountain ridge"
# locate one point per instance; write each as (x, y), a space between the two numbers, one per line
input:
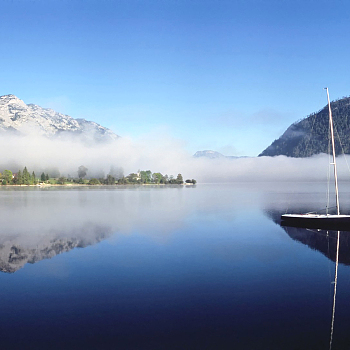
(18, 117)
(214, 155)
(309, 135)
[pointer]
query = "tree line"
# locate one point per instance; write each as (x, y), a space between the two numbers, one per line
(23, 177)
(142, 177)
(116, 176)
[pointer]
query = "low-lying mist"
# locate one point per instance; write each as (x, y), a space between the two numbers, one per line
(158, 153)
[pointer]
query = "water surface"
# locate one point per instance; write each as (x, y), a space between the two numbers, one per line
(204, 267)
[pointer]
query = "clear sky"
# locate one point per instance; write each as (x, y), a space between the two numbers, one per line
(229, 76)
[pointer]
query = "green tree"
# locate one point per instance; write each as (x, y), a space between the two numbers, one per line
(26, 176)
(179, 180)
(34, 178)
(146, 176)
(7, 176)
(94, 181)
(171, 180)
(132, 178)
(157, 177)
(43, 177)
(19, 178)
(15, 179)
(164, 179)
(110, 180)
(62, 180)
(122, 181)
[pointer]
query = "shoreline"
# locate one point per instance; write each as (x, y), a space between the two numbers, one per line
(99, 185)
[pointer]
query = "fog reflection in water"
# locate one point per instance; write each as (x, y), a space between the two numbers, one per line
(174, 267)
(39, 223)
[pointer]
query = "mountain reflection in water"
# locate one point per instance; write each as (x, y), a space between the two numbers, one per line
(333, 244)
(15, 253)
(323, 241)
(37, 224)
(175, 268)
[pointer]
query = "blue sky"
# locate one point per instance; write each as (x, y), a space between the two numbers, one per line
(229, 76)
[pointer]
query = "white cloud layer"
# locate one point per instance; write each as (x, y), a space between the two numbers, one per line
(159, 153)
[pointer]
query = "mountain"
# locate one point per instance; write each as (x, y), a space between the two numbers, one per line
(310, 135)
(213, 155)
(208, 154)
(20, 118)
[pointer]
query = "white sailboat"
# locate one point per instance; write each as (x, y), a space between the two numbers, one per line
(322, 220)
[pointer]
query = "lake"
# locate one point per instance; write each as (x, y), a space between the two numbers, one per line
(147, 267)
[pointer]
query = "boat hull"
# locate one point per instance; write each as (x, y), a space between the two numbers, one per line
(330, 222)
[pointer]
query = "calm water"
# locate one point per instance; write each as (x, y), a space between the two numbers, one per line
(205, 267)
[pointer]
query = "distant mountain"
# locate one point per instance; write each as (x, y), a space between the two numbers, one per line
(212, 155)
(20, 118)
(310, 135)
(208, 154)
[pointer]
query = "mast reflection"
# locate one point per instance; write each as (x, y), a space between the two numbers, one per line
(335, 245)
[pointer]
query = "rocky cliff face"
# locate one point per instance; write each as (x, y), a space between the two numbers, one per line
(20, 118)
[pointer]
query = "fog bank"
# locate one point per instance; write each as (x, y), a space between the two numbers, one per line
(158, 153)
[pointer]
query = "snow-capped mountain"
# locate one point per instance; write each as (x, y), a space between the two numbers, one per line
(208, 154)
(21, 118)
(214, 155)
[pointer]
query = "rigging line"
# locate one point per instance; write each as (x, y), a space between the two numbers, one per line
(335, 292)
(317, 211)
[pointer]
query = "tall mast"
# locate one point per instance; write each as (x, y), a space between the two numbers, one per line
(333, 150)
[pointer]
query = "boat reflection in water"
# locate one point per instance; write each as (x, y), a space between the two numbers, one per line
(334, 243)
(322, 239)
(321, 222)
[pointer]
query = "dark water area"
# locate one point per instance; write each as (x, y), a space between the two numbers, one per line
(204, 267)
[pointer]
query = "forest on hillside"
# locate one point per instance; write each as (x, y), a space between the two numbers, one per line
(311, 135)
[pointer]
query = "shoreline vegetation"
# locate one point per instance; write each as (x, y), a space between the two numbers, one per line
(115, 177)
